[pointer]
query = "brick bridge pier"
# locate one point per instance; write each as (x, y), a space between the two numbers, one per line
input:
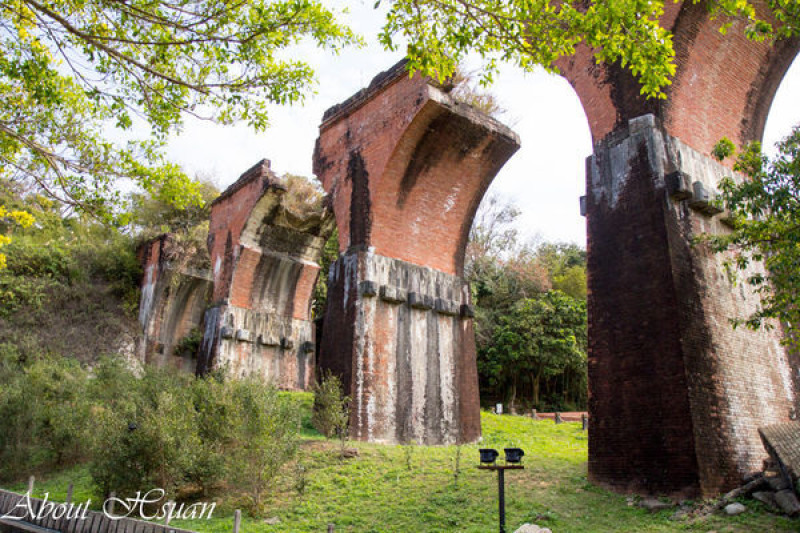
(406, 167)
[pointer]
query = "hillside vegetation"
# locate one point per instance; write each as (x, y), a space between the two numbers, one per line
(70, 286)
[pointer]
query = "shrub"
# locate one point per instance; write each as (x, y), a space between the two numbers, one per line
(46, 256)
(189, 344)
(43, 411)
(331, 412)
(215, 411)
(142, 428)
(172, 431)
(266, 438)
(146, 436)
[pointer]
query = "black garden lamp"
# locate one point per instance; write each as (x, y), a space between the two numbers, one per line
(514, 455)
(488, 455)
(513, 458)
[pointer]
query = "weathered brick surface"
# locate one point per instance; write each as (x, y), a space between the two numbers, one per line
(171, 305)
(406, 167)
(265, 264)
(676, 394)
(410, 361)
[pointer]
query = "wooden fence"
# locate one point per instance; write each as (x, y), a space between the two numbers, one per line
(85, 522)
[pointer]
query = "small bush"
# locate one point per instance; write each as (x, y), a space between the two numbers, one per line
(331, 413)
(142, 428)
(144, 436)
(266, 438)
(216, 409)
(30, 254)
(17, 292)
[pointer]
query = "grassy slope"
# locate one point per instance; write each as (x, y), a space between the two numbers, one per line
(377, 491)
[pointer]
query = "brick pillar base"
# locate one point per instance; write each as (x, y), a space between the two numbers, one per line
(676, 394)
(401, 337)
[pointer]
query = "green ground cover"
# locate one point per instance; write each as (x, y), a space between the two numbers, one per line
(438, 489)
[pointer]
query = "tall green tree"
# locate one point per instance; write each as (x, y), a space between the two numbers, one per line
(542, 337)
(566, 264)
(505, 275)
(765, 210)
(150, 214)
(70, 71)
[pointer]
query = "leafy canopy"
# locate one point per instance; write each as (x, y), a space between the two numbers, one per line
(765, 210)
(78, 78)
(69, 69)
(528, 33)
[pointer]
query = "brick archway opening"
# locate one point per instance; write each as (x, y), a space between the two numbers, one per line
(676, 395)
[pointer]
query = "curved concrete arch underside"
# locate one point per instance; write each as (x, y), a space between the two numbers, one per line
(676, 394)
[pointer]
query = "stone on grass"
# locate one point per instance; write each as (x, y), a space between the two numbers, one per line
(732, 509)
(272, 521)
(532, 528)
(654, 505)
(349, 453)
(765, 497)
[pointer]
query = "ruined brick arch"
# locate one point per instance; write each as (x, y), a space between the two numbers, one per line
(723, 86)
(406, 167)
(264, 258)
(172, 304)
(401, 196)
(254, 302)
(676, 395)
(724, 93)
(426, 216)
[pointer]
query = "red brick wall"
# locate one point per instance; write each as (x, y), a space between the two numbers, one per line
(229, 214)
(640, 436)
(265, 270)
(676, 394)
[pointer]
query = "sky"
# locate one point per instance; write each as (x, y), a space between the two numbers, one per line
(545, 178)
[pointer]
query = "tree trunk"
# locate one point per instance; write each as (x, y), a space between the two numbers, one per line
(536, 381)
(512, 394)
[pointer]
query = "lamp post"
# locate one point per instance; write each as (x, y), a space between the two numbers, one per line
(488, 462)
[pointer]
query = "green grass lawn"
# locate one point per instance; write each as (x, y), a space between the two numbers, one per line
(421, 489)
